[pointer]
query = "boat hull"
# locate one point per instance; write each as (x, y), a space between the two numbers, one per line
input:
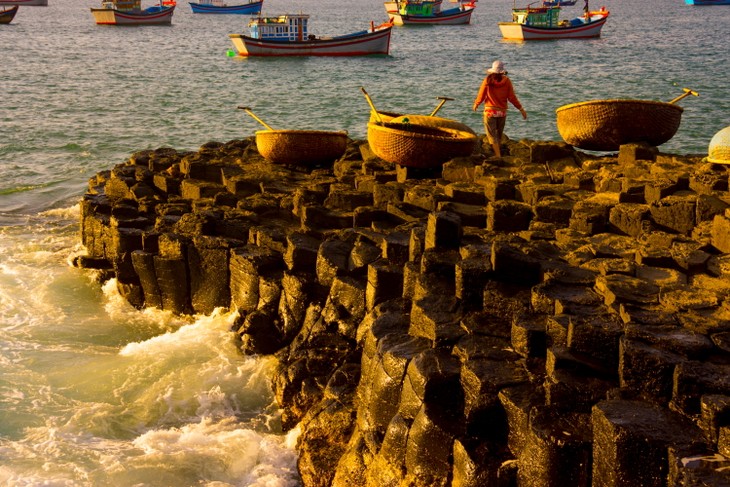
(707, 2)
(516, 31)
(446, 17)
(7, 16)
(108, 16)
(377, 42)
(245, 9)
(27, 3)
(605, 125)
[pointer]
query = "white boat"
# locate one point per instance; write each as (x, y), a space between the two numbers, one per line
(130, 12)
(415, 12)
(287, 35)
(543, 23)
(391, 7)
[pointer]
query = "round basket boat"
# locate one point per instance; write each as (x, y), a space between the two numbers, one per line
(414, 145)
(425, 120)
(604, 125)
(301, 147)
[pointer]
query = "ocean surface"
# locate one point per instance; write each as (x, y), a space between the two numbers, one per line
(96, 393)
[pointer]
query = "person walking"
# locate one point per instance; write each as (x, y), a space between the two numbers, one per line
(496, 90)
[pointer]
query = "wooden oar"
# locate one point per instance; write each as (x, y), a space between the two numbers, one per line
(248, 110)
(443, 99)
(372, 107)
(686, 93)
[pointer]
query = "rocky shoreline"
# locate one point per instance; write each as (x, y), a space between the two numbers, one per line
(551, 318)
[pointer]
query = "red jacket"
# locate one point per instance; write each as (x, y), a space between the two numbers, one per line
(497, 94)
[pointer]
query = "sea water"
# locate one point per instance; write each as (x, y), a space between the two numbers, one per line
(94, 392)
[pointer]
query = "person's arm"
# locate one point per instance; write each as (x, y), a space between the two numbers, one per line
(481, 95)
(512, 97)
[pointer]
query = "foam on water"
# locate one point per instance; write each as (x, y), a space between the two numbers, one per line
(95, 392)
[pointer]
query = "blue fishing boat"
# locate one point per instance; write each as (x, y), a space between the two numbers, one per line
(7, 14)
(220, 7)
(707, 2)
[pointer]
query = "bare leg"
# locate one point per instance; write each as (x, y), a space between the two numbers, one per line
(497, 149)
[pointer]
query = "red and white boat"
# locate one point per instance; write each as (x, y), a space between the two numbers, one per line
(418, 12)
(543, 23)
(287, 35)
(129, 12)
(391, 7)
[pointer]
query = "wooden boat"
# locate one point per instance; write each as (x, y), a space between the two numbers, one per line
(8, 14)
(129, 12)
(605, 125)
(25, 3)
(558, 3)
(543, 23)
(414, 12)
(220, 7)
(391, 7)
(707, 2)
(287, 35)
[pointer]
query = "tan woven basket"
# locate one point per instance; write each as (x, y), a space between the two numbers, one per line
(384, 116)
(604, 125)
(414, 145)
(429, 121)
(301, 147)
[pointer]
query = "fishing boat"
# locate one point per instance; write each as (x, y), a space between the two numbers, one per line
(707, 2)
(288, 35)
(221, 7)
(26, 3)
(8, 14)
(391, 7)
(129, 12)
(558, 3)
(543, 23)
(416, 12)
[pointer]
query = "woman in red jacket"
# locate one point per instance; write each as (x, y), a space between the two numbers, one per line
(496, 90)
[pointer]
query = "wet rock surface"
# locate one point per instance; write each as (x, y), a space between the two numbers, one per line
(548, 318)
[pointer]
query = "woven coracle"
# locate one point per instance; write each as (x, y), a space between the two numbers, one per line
(429, 121)
(413, 145)
(604, 125)
(384, 116)
(301, 147)
(426, 120)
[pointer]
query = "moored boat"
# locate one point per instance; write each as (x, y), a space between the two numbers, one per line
(391, 7)
(707, 2)
(8, 14)
(414, 12)
(221, 7)
(130, 12)
(558, 3)
(288, 35)
(25, 3)
(543, 23)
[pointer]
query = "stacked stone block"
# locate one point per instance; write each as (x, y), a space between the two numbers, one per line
(553, 318)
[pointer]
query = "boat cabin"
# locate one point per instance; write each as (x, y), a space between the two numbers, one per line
(537, 16)
(418, 7)
(123, 5)
(290, 27)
